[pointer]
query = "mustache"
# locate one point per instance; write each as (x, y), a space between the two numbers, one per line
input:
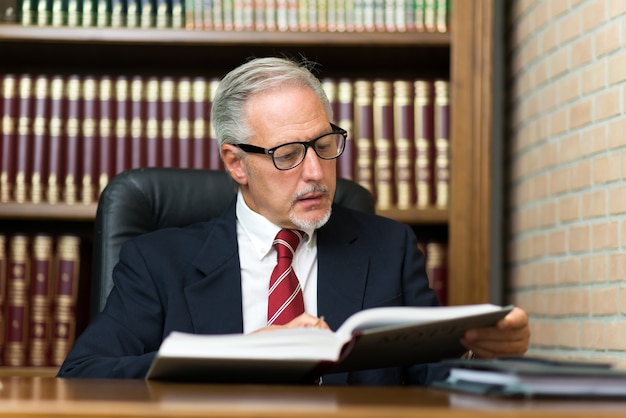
(314, 188)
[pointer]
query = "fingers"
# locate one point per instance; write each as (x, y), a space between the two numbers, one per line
(303, 321)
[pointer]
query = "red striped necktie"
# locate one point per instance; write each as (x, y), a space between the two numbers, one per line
(285, 300)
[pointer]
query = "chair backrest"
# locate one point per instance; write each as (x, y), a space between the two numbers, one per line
(146, 199)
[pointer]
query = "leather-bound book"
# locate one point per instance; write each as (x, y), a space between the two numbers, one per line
(8, 136)
(177, 13)
(424, 143)
(43, 12)
(199, 131)
(18, 283)
(345, 119)
(384, 151)
(73, 14)
(39, 171)
(441, 17)
(67, 267)
(419, 15)
(58, 12)
(442, 143)
(106, 112)
(88, 13)
(168, 116)
(213, 154)
(103, 13)
(26, 102)
(147, 13)
(163, 17)
(56, 130)
(153, 122)
(132, 13)
(27, 12)
(89, 189)
(430, 13)
(364, 134)
(269, 13)
(119, 9)
(138, 117)
(330, 86)
(40, 300)
(437, 270)
(73, 139)
(122, 125)
(404, 124)
(3, 289)
(183, 123)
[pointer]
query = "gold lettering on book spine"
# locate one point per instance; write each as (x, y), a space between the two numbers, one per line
(167, 96)
(90, 89)
(199, 95)
(39, 131)
(403, 101)
(422, 143)
(442, 143)
(23, 132)
(184, 96)
(383, 144)
(55, 130)
(8, 129)
(40, 302)
(73, 130)
(363, 104)
(17, 302)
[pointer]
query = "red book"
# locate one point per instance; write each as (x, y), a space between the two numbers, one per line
(345, 119)
(3, 289)
(89, 133)
(122, 118)
(65, 293)
(364, 135)
(73, 139)
(40, 301)
(137, 122)
(404, 130)
(384, 152)
(18, 283)
(215, 161)
(8, 135)
(106, 113)
(437, 270)
(153, 119)
(40, 139)
(58, 116)
(168, 116)
(424, 143)
(442, 143)
(199, 132)
(25, 120)
(330, 87)
(183, 126)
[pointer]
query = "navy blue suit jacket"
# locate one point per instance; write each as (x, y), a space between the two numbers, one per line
(188, 279)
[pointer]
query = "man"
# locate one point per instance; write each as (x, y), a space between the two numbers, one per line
(272, 120)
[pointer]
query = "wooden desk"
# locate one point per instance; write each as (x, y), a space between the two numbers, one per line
(49, 397)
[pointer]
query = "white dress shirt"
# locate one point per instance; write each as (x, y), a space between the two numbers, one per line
(255, 235)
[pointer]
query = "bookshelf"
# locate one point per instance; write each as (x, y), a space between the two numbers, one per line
(463, 54)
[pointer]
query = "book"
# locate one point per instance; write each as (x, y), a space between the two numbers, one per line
(40, 139)
(89, 124)
(40, 300)
(201, 103)
(3, 288)
(169, 145)
(105, 131)
(121, 130)
(345, 119)
(25, 120)
(8, 136)
(58, 110)
(183, 124)
(424, 143)
(8, 11)
(372, 338)
(384, 158)
(73, 139)
(364, 134)
(404, 130)
(437, 269)
(442, 143)
(153, 138)
(18, 284)
(137, 122)
(534, 377)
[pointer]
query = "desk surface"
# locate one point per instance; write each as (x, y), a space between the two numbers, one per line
(47, 397)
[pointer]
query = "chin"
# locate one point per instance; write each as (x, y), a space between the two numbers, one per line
(311, 221)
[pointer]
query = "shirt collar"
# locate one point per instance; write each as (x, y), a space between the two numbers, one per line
(259, 229)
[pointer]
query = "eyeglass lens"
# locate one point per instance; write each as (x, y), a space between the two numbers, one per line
(327, 147)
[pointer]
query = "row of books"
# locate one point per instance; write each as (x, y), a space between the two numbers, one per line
(228, 15)
(38, 292)
(64, 138)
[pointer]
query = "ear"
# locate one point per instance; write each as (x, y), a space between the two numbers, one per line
(234, 164)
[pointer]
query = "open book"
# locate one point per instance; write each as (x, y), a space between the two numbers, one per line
(372, 338)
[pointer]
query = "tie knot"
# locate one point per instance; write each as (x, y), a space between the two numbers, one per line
(286, 242)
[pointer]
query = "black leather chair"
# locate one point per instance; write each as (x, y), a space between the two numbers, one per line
(143, 200)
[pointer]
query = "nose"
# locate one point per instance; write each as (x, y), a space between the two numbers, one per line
(311, 166)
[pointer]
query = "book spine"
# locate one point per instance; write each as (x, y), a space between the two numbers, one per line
(441, 19)
(40, 139)
(88, 14)
(163, 14)
(8, 136)
(227, 17)
(419, 15)
(65, 294)
(57, 132)
(168, 116)
(383, 144)
(214, 158)
(132, 13)
(18, 281)
(364, 134)
(437, 270)
(89, 124)
(73, 139)
(40, 301)
(183, 126)
(73, 12)
(58, 11)
(345, 119)
(430, 8)
(177, 13)
(118, 13)
(442, 143)
(218, 16)
(105, 132)
(269, 15)
(201, 110)
(424, 143)
(330, 88)
(8, 11)
(202, 13)
(147, 13)
(138, 116)
(122, 115)
(404, 143)
(43, 11)
(3, 290)
(26, 12)
(24, 137)
(153, 140)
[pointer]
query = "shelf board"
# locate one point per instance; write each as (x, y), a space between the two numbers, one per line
(78, 35)
(431, 216)
(26, 371)
(47, 211)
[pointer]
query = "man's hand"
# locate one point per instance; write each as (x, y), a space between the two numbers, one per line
(303, 321)
(510, 337)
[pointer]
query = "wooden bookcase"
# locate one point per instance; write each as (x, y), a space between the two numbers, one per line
(464, 54)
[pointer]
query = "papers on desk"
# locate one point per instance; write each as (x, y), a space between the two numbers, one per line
(534, 377)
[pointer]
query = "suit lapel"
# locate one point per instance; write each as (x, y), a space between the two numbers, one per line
(215, 299)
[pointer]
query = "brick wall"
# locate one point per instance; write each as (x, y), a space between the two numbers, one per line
(566, 167)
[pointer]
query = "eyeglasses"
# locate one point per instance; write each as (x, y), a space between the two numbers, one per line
(287, 156)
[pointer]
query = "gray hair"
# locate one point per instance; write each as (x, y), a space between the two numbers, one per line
(228, 113)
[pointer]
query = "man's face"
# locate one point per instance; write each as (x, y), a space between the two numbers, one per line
(296, 198)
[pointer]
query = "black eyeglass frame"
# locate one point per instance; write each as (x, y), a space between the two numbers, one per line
(307, 144)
